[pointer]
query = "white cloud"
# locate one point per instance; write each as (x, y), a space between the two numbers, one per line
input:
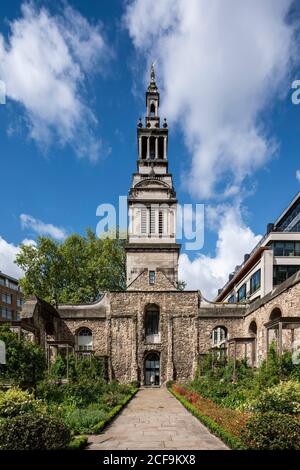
(8, 252)
(298, 175)
(44, 64)
(39, 227)
(220, 64)
(208, 273)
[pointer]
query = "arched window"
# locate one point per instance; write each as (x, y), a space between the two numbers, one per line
(276, 313)
(152, 110)
(85, 339)
(219, 336)
(152, 334)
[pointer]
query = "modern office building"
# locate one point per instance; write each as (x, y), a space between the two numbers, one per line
(271, 262)
(11, 298)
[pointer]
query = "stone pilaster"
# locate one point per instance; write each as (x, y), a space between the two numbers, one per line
(134, 365)
(170, 365)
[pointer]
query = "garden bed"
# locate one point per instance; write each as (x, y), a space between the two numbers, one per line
(225, 423)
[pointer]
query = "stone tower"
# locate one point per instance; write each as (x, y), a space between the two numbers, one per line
(152, 200)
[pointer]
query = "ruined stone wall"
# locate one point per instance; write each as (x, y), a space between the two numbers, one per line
(99, 330)
(206, 326)
(127, 310)
(184, 347)
(121, 347)
(288, 301)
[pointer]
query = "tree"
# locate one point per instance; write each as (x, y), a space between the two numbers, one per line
(25, 361)
(181, 285)
(76, 270)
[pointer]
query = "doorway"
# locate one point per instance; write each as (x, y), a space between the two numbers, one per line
(152, 369)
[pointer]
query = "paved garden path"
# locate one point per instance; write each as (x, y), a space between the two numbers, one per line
(154, 419)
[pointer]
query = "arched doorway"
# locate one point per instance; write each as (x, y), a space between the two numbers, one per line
(152, 369)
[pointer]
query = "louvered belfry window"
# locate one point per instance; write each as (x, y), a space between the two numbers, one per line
(144, 220)
(152, 219)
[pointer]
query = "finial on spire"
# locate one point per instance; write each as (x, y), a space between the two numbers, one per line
(152, 73)
(152, 86)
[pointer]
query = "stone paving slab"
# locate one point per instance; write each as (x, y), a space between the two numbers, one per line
(153, 420)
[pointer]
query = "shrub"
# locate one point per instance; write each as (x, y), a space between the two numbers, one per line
(83, 419)
(283, 398)
(15, 401)
(272, 431)
(79, 393)
(80, 368)
(79, 442)
(59, 367)
(34, 432)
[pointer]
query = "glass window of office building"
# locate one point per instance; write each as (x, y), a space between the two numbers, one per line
(291, 222)
(283, 272)
(241, 294)
(286, 248)
(255, 282)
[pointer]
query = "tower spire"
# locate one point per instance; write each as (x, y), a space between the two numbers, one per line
(152, 87)
(152, 73)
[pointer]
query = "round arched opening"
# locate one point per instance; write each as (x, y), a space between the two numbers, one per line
(152, 110)
(219, 336)
(253, 328)
(152, 334)
(276, 313)
(152, 369)
(253, 333)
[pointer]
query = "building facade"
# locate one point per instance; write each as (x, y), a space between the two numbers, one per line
(154, 332)
(11, 298)
(271, 262)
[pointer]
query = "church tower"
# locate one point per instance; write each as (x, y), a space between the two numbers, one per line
(152, 200)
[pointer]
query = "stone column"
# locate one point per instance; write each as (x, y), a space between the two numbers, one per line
(156, 147)
(165, 147)
(148, 147)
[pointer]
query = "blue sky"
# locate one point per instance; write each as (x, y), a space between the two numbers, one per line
(68, 128)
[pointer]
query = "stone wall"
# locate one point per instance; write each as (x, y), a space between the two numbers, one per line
(286, 298)
(178, 311)
(206, 326)
(99, 330)
(162, 282)
(186, 324)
